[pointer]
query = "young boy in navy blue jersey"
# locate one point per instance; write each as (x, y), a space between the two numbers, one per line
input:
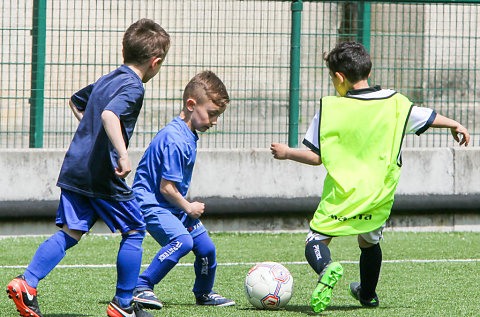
(92, 177)
(358, 137)
(161, 182)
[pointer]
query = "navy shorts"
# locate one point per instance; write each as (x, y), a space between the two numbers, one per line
(80, 212)
(165, 226)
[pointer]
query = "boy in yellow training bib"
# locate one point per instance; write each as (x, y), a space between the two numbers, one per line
(358, 137)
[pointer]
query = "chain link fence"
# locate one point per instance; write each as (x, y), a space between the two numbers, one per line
(51, 48)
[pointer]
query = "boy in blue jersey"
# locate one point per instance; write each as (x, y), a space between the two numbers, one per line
(92, 177)
(358, 138)
(161, 183)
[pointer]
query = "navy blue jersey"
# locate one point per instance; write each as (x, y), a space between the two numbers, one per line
(171, 156)
(90, 162)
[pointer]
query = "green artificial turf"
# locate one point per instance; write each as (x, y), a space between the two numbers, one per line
(406, 288)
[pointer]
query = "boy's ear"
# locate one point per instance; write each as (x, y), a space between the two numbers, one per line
(191, 103)
(341, 77)
(156, 61)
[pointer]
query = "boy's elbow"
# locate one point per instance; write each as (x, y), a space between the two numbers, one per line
(165, 191)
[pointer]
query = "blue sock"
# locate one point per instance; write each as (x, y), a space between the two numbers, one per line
(205, 264)
(129, 260)
(48, 255)
(165, 260)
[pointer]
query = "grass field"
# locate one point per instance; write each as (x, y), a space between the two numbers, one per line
(422, 275)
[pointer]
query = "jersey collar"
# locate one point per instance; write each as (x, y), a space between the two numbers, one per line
(371, 93)
(364, 90)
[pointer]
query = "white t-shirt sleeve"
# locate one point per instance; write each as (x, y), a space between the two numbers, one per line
(420, 120)
(311, 137)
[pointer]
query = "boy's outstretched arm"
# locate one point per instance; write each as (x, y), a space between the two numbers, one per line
(455, 128)
(169, 190)
(284, 152)
(78, 114)
(111, 123)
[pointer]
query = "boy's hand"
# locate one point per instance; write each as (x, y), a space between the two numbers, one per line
(279, 151)
(460, 129)
(196, 209)
(124, 167)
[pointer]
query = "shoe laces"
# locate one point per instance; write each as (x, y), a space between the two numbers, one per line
(213, 295)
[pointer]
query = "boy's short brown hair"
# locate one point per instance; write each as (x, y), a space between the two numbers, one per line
(206, 85)
(351, 59)
(144, 40)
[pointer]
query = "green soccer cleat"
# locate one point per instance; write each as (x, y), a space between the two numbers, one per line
(355, 292)
(323, 292)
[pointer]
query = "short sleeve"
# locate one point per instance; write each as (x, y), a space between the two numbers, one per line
(80, 98)
(420, 120)
(127, 102)
(311, 137)
(172, 164)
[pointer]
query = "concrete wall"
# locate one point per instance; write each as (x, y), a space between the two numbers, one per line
(250, 181)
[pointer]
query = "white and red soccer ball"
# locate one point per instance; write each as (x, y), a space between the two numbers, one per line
(268, 285)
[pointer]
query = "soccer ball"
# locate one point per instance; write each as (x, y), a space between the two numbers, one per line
(269, 285)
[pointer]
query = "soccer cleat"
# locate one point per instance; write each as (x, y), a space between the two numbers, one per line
(115, 310)
(146, 297)
(322, 294)
(214, 299)
(24, 297)
(355, 289)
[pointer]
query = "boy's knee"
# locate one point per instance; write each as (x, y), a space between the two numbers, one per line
(207, 250)
(364, 244)
(183, 243)
(75, 234)
(204, 246)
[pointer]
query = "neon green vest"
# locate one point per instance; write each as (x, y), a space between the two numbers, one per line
(360, 143)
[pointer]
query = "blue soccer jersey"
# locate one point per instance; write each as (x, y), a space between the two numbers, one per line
(90, 162)
(171, 156)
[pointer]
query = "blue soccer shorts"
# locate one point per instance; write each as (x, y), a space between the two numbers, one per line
(164, 226)
(80, 212)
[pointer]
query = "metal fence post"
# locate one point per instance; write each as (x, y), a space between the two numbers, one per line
(364, 23)
(39, 30)
(297, 7)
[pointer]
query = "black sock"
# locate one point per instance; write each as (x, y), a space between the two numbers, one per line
(317, 254)
(370, 263)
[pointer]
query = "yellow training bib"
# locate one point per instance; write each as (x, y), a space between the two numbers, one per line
(360, 141)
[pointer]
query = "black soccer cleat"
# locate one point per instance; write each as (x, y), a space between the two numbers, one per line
(147, 298)
(355, 289)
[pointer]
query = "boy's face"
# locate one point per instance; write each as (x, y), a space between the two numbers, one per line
(204, 114)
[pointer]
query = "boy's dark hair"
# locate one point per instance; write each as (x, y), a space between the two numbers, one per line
(351, 59)
(206, 84)
(143, 40)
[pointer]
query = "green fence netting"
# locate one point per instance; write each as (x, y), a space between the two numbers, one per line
(51, 48)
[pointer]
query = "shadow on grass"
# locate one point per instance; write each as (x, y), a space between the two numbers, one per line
(66, 315)
(301, 309)
(307, 310)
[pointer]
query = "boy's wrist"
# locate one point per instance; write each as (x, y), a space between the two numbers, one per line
(288, 152)
(123, 154)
